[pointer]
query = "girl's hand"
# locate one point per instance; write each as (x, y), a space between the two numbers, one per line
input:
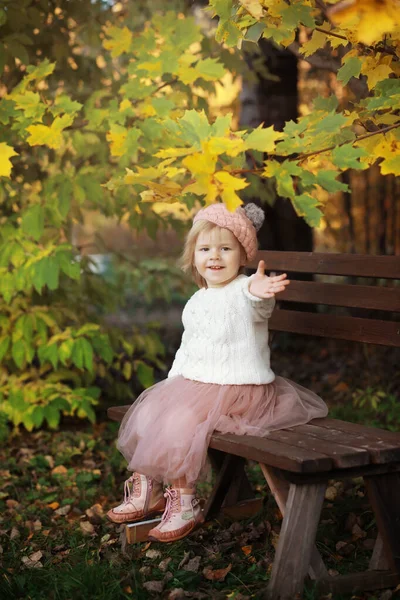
(263, 286)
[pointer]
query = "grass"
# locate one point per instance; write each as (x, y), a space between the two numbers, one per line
(55, 488)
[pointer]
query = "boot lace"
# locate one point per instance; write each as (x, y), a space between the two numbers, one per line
(134, 490)
(173, 504)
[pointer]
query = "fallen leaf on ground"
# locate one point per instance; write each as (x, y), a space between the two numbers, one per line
(247, 550)
(217, 574)
(54, 505)
(95, 514)
(33, 561)
(63, 510)
(154, 586)
(153, 554)
(86, 527)
(59, 470)
(193, 564)
(163, 565)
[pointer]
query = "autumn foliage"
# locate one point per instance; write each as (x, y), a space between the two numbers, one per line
(145, 135)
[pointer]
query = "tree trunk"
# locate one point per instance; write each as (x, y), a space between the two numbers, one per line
(272, 99)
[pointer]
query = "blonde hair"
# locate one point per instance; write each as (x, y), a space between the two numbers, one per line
(186, 261)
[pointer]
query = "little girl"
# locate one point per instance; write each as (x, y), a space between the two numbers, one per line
(220, 380)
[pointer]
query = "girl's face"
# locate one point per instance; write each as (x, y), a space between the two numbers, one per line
(218, 256)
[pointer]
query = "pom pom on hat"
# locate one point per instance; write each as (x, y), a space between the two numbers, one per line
(255, 214)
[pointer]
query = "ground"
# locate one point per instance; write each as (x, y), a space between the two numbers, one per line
(56, 486)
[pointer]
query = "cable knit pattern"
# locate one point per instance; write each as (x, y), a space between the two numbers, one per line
(225, 338)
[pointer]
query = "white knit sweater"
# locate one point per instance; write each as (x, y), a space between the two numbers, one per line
(225, 338)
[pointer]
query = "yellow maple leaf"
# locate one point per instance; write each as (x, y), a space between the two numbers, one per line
(6, 152)
(376, 68)
(370, 20)
(125, 104)
(317, 41)
(120, 40)
(228, 187)
(388, 148)
(222, 145)
(174, 152)
(42, 135)
(254, 7)
(142, 176)
(117, 139)
(200, 163)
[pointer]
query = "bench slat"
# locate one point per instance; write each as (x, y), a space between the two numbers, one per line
(343, 456)
(353, 296)
(380, 451)
(355, 329)
(372, 433)
(275, 454)
(361, 265)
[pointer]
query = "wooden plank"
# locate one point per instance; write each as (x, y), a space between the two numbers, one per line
(275, 454)
(384, 496)
(296, 541)
(342, 456)
(363, 471)
(362, 265)
(373, 331)
(380, 451)
(352, 296)
(116, 413)
(279, 487)
(359, 582)
(372, 433)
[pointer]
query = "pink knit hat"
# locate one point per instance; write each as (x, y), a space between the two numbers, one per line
(244, 223)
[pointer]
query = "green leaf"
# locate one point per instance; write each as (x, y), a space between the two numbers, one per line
(37, 416)
(52, 416)
(52, 271)
(48, 354)
(4, 346)
(77, 354)
(210, 69)
(64, 351)
(195, 127)
(306, 206)
(145, 374)
(351, 68)
(18, 353)
(348, 157)
(87, 354)
(33, 221)
(263, 139)
(331, 122)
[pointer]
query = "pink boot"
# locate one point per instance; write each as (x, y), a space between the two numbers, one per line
(144, 499)
(182, 514)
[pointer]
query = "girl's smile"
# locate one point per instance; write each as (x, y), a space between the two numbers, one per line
(218, 256)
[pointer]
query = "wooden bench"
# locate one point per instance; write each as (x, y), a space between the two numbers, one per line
(298, 462)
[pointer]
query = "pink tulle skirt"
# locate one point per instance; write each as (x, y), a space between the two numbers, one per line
(166, 431)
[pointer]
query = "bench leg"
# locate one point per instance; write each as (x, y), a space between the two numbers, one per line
(231, 484)
(279, 487)
(296, 540)
(384, 495)
(378, 560)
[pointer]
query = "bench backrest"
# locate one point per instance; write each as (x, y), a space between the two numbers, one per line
(372, 297)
